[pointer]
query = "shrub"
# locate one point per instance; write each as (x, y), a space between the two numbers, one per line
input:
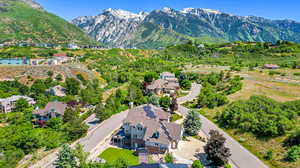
(293, 154)
(197, 164)
(169, 158)
(259, 115)
(185, 84)
(296, 74)
(293, 140)
(274, 73)
(269, 155)
(165, 102)
(227, 166)
(210, 98)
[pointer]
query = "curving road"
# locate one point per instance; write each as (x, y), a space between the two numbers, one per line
(96, 135)
(241, 157)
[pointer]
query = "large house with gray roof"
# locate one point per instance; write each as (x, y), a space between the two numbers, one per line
(9, 104)
(52, 110)
(147, 127)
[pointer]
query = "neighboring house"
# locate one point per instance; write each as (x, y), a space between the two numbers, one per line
(73, 46)
(161, 165)
(57, 91)
(271, 66)
(167, 83)
(167, 75)
(8, 104)
(59, 58)
(52, 110)
(148, 127)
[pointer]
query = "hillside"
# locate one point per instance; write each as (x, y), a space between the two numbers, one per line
(164, 27)
(27, 21)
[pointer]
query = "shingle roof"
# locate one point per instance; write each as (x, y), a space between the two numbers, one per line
(161, 83)
(154, 119)
(58, 107)
(146, 112)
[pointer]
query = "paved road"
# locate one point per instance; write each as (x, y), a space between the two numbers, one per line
(97, 133)
(195, 91)
(241, 157)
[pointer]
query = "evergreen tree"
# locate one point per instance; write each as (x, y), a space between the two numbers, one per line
(192, 123)
(153, 99)
(66, 158)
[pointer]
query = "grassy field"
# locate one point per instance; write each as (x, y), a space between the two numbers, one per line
(113, 154)
(259, 82)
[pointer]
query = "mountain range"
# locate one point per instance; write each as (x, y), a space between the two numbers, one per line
(167, 26)
(25, 21)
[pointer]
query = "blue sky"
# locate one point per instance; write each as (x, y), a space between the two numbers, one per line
(273, 9)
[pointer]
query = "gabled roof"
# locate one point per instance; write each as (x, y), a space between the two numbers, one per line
(154, 120)
(161, 83)
(58, 107)
(146, 112)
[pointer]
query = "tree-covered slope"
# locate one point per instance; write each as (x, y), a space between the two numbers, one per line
(26, 21)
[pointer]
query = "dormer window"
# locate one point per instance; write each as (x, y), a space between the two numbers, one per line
(156, 135)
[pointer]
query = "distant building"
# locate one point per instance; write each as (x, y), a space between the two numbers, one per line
(147, 127)
(167, 75)
(201, 46)
(15, 61)
(73, 46)
(8, 104)
(57, 91)
(271, 66)
(59, 58)
(52, 110)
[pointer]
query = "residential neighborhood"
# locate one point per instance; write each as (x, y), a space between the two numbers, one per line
(149, 84)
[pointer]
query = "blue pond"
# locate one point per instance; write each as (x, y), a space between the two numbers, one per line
(14, 61)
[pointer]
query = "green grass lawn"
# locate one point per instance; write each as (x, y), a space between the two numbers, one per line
(175, 117)
(113, 154)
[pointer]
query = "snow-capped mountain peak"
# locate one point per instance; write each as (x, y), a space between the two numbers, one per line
(167, 26)
(123, 14)
(200, 10)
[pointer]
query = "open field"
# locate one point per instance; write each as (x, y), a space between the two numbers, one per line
(279, 87)
(113, 154)
(27, 74)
